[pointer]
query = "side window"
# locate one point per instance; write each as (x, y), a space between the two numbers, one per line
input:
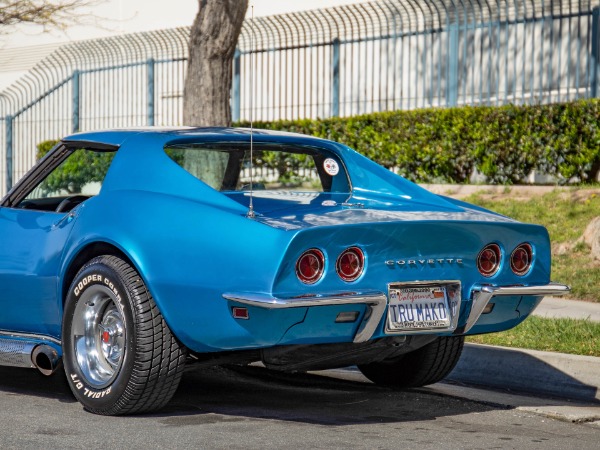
(275, 167)
(206, 164)
(77, 178)
(281, 170)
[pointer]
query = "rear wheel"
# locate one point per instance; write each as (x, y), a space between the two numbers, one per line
(119, 355)
(426, 365)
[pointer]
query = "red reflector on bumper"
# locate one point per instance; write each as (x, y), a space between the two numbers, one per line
(240, 313)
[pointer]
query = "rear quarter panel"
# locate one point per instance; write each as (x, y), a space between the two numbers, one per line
(188, 254)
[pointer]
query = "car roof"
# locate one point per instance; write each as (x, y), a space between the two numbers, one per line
(118, 136)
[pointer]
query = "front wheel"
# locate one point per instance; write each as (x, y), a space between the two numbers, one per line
(119, 355)
(426, 365)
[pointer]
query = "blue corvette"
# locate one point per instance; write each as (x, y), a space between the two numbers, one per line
(127, 253)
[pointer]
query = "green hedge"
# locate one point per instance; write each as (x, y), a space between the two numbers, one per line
(444, 145)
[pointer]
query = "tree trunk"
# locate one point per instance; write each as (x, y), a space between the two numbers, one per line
(213, 38)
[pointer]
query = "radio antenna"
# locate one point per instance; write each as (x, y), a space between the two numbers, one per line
(251, 214)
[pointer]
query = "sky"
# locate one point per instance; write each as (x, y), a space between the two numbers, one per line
(129, 16)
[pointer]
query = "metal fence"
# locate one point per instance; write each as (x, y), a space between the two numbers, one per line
(342, 61)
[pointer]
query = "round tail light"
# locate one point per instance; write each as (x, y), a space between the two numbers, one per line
(488, 260)
(350, 264)
(521, 259)
(310, 265)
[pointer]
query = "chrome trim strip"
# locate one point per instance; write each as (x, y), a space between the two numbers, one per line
(481, 296)
(31, 336)
(377, 302)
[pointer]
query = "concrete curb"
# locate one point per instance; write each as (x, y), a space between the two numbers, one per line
(561, 409)
(529, 371)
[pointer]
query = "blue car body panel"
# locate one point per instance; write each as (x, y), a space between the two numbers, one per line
(31, 255)
(192, 244)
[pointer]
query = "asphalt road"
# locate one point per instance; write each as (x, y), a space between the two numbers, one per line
(254, 408)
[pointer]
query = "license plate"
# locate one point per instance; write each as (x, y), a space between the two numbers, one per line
(419, 308)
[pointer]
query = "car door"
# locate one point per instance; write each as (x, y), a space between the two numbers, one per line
(31, 244)
(36, 218)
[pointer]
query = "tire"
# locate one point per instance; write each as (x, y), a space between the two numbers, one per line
(426, 365)
(119, 355)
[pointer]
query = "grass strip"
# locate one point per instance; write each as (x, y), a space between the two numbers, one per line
(574, 336)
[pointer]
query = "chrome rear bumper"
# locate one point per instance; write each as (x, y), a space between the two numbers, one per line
(377, 302)
(481, 296)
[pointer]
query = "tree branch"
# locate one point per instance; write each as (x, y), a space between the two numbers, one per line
(58, 14)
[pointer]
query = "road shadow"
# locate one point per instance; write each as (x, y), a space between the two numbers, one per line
(230, 394)
(19, 381)
(517, 371)
(209, 395)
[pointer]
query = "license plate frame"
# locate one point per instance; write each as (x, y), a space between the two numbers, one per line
(423, 306)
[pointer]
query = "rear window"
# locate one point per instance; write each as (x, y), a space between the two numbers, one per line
(226, 167)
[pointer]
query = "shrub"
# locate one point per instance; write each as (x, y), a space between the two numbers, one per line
(446, 144)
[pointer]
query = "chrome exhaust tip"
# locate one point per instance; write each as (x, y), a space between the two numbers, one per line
(45, 359)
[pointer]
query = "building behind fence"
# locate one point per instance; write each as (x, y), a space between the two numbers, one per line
(343, 61)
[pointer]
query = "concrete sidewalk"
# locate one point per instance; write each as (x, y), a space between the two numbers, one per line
(560, 308)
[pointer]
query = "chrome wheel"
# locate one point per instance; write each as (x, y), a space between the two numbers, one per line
(120, 356)
(98, 336)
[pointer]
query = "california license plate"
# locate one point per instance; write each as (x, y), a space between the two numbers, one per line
(419, 308)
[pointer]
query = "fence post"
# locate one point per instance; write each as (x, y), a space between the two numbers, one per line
(452, 58)
(76, 101)
(150, 94)
(236, 88)
(9, 152)
(335, 82)
(595, 56)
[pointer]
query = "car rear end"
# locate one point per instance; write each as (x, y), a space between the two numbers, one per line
(363, 281)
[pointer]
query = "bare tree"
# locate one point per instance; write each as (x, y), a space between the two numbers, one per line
(58, 14)
(213, 40)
